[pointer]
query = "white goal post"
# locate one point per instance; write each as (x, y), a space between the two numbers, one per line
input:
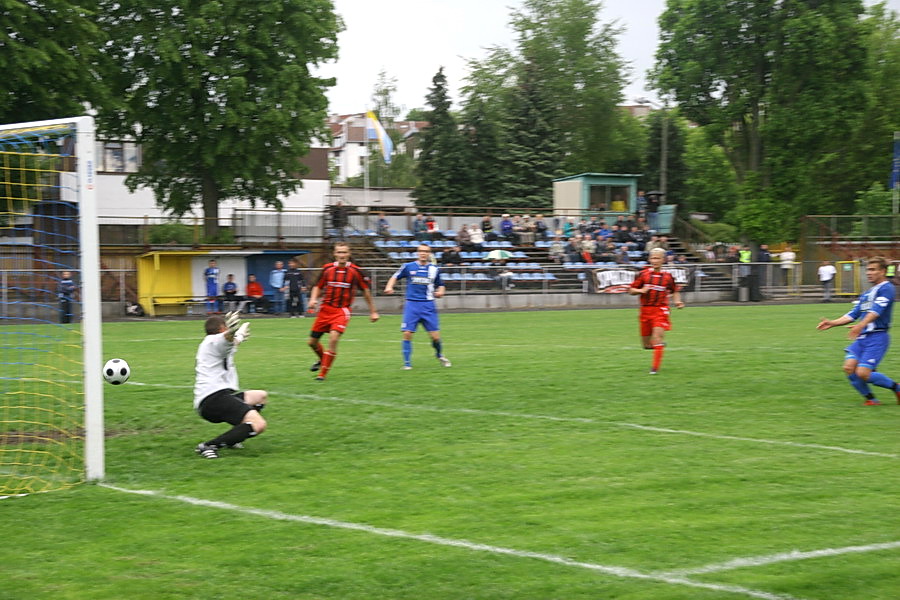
(51, 388)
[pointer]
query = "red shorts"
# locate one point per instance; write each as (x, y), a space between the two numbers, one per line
(654, 316)
(331, 319)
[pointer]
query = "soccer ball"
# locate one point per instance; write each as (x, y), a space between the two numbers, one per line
(116, 371)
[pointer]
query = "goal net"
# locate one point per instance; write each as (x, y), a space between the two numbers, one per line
(51, 398)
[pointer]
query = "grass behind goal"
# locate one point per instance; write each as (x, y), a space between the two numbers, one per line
(546, 438)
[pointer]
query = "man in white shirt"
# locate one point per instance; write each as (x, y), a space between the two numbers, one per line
(216, 398)
(787, 258)
(827, 273)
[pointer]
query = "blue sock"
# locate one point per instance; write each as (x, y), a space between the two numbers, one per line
(407, 351)
(438, 346)
(881, 380)
(861, 386)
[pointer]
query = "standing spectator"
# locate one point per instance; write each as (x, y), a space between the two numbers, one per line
(431, 227)
(506, 227)
(66, 290)
(423, 286)
(487, 229)
(382, 226)
(296, 286)
(787, 258)
(827, 273)
(641, 201)
(477, 239)
(337, 284)
(420, 228)
(654, 285)
(464, 237)
(653, 203)
(230, 294)
(211, 277)
(541, 228)
(276, 282)
(216, 398)
(256, 297)
(870, 334)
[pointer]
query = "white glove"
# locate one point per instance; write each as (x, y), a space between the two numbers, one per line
(242, 334)
(232, 321)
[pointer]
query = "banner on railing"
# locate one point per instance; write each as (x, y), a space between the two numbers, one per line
(617, 280)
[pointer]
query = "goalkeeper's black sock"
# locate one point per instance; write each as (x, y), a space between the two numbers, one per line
(235, 435)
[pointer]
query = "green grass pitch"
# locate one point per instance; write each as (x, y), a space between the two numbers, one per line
(545, 464)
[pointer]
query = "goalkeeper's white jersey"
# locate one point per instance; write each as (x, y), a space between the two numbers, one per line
(214, 367)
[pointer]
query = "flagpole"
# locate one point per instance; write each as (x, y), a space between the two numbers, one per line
(366, 163)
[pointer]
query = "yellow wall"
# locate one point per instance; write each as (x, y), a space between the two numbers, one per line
(165, 275)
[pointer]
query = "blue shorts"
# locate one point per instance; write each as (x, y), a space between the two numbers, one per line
(420, 312)
(869, 350)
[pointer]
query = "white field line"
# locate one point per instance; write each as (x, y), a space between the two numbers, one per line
(496, 413)
(758, 561)
(467, 545)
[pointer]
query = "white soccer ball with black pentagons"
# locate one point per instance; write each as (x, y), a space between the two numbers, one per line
(116, 371)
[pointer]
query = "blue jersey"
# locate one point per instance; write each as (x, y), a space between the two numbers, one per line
(877, 299)
(423, 279)
(212, 275)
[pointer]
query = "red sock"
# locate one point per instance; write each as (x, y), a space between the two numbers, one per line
(327, 359)
(657, 355)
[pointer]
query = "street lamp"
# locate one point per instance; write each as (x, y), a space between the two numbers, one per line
(663, 145)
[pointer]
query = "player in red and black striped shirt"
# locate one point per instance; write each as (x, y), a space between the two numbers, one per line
(654, 285)
(337, 285)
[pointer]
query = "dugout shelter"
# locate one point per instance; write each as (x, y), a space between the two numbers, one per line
(171, 282)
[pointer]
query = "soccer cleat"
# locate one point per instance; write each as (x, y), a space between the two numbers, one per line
(407, 367)
(320, 378)
(316, 366)
(207, 451)
(445, 362)
(871, 403)
(652, 372)
(897, 392)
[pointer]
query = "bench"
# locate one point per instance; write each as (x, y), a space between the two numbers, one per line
(177, 304)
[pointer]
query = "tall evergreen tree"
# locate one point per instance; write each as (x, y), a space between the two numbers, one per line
(220, 95)
(443, 168)
(485, 155)
(534, 152)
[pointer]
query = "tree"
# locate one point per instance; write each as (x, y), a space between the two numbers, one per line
(50, 63)
(220, 95)
(658, 121)
(535, 155)
(710, 185)
(484, 140)
(576, 61)
(443, 167)
(769, 79)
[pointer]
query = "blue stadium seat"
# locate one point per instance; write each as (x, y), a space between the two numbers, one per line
(395, 255)
(380, 243)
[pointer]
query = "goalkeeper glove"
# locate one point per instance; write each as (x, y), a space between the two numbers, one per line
(242, 334)
(232, 321)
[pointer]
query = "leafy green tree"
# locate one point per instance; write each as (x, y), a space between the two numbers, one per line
(710, 185)
(50, 60)
(443, 166)
(629, 138)
(220, 95)
(774, 83)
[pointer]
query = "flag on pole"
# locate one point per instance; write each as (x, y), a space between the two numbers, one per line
(375, 131)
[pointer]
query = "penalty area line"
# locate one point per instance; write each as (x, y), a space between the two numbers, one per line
(623, 572)
(793, 555)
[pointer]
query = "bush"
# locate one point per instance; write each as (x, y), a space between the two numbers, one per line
(177, 234)
(224, 236)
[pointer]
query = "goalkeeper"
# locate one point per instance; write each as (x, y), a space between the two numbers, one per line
(216, 398)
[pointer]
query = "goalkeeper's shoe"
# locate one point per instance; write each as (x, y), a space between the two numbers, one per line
(445, 362)
(316, 366)
(206, 450)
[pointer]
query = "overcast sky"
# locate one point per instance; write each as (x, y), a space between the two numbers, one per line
(411, 39)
